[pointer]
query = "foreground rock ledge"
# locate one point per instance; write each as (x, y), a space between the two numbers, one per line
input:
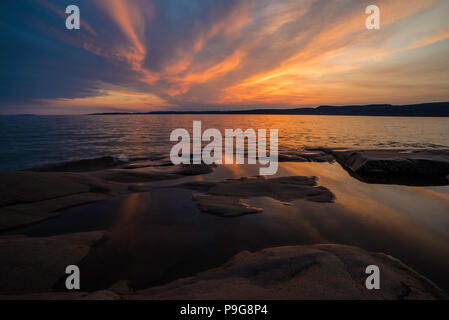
(301, 272)
(30, 264)
(296, 272)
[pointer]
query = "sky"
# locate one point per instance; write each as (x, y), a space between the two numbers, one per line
(148, 55)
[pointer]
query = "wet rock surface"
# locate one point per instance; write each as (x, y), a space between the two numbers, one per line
(224, 206)
(28, 197)
(154, 173)
(225, 198)
(405, 167)
(311, 272)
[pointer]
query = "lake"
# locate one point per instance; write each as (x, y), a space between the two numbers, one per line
(161, 235)
(30, 141)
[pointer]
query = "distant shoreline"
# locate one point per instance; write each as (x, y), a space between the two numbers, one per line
(437, 109)
(424, 110)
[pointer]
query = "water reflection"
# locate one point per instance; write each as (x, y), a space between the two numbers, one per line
(31, 141)
(126, 227)
(409, 223)
(158, 236)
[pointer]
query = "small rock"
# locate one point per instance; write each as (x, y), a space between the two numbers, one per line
(224, 206)
(225, 198)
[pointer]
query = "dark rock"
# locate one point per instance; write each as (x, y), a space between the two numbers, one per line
(30, 265)
(306, 156)
(320, 272)
(195, 169)
(30, 197)
(405, 167)
(224, 206)
(123, 287)
(300, 272)
(82, 165)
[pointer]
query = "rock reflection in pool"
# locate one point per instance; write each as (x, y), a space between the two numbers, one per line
(160, 235)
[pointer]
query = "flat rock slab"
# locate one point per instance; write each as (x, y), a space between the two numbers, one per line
(408, 167)
(300, 272)
(25, 214)
(154, 173)
(225, 198)
(139, 175)
(29, 197)
(25, 187)
(32, 265)
(224, 206)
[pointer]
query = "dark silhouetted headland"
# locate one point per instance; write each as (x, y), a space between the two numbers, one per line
(437, 109)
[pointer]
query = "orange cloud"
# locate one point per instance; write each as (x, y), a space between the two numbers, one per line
(131, 20)
(228, 64)
(441, 35)
(283, 53)
(112, 99)
(184, 73)
(341, 46)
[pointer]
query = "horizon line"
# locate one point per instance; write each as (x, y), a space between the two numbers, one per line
(273, 111)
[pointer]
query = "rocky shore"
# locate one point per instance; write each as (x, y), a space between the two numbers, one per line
(300, 272)
(29, 197)
(31, 266)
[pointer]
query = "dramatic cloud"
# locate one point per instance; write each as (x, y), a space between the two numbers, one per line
(213, 54)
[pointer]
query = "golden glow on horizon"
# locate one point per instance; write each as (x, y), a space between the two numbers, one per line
(112, 99)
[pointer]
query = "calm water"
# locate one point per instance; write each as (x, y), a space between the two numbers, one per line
(154, 239)
(28, 141)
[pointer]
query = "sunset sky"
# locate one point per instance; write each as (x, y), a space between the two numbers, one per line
(144, 55)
